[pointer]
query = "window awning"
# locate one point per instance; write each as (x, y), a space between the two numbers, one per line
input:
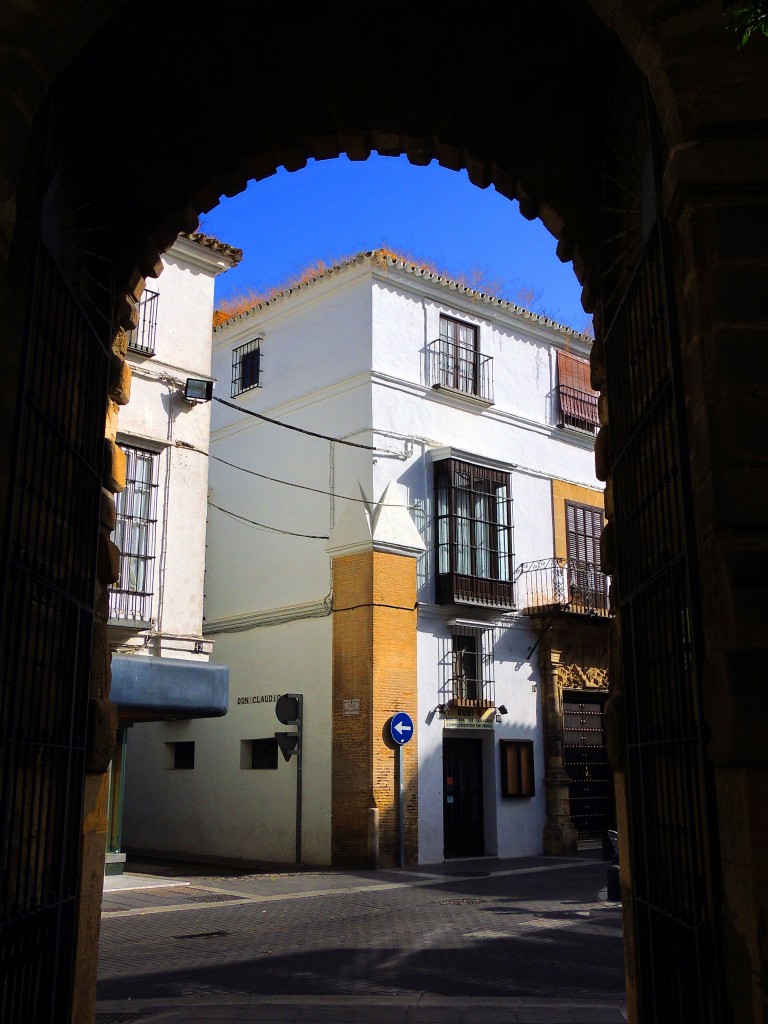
(577, 399)
(147, 688)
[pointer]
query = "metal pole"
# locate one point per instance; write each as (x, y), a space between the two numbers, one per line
(401, 803)
(299, 755)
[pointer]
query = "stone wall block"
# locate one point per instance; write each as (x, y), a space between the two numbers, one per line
(107, 510)
(608, 549)
(602, 409)
(119, 380)
(597, 365)
(111, 425)
(738, 499)
(108, 560)
(127, 312)
(602, 454)
(102, 735)
(114, 467)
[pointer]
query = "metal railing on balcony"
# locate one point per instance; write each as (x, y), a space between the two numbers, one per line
(142, 339)
(459, 368)
(567, 584)
(468, 694)
(577, 409)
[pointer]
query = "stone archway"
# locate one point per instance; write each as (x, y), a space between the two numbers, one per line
(154, 161)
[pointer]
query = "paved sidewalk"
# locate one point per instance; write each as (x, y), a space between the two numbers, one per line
(535, 919)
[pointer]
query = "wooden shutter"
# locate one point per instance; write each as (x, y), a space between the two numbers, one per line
(584, 525)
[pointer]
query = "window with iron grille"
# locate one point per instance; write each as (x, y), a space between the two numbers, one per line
(246, 367)
(472, 683)
(135, 536)
(517, 778)
(576, 401)
(142, 338)
(587, 586)
(474, 534)
(454, 361)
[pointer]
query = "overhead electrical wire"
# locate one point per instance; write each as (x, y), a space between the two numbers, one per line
(263, 526)
(289, 426)
(303, 487)
(289, 483)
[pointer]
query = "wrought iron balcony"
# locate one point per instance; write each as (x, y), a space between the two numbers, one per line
(142, 339)
(459, 368)
(465, 694)
(565, 584)
(577, 409)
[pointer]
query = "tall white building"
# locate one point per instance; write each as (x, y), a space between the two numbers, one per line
(160, 663)
(404, 518)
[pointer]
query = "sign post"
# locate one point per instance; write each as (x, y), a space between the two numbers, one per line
(401, 730)
(289, 710)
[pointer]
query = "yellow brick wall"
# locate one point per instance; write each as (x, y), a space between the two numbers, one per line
(374, 661)
(562, 492)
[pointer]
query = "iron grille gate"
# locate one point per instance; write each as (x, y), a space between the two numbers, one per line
(673, 839)
(49, 557)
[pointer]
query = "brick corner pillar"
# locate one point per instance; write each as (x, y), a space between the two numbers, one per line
(374, 676)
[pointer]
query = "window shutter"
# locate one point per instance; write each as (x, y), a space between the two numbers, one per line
(584, 525)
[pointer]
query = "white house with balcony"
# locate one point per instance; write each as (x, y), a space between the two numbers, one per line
(404, 519)
(161, 666)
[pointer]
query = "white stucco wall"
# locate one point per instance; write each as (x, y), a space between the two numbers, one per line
(220, 809)
(344, 356)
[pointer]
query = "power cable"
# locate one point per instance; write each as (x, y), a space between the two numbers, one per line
(289, 426)
(262, 525)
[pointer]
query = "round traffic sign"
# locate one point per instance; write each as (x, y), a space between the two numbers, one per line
(401, 728)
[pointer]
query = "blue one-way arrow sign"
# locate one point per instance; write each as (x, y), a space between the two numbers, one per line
(401, 727)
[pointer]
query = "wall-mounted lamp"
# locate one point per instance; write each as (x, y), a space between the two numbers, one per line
(502, 709)
(198, 390)
(441, 708)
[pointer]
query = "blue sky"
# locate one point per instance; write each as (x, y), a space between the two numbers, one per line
(334, 208)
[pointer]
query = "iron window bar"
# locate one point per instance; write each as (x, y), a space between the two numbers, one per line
(469, 684)
(460, 368)
(142, 338)
(474, 535)
(564, 584)
(246, 367)
(577, 409)
(135, 535)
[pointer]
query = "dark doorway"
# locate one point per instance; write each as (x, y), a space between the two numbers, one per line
(593, 809)
(463, 825)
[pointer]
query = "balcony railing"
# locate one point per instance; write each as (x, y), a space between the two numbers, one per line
(577, 409)
(142, 338)
(459, 368)
(471, 694)
(570, 585)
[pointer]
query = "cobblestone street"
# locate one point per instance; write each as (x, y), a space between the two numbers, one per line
(509, 940)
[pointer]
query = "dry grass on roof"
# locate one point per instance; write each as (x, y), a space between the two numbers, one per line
(477, 280)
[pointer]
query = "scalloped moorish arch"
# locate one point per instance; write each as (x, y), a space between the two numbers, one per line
(155, 126)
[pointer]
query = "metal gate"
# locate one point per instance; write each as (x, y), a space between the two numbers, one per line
(673, 839)
(590, 793)
(46, 609)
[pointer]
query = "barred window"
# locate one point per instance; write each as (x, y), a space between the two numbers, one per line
(474, 525)
(142, 338)
(472, 683)
(246, 367)
(135, 536)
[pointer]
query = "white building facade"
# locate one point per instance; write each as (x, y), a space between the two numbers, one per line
(160, 658)
(403, 517)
